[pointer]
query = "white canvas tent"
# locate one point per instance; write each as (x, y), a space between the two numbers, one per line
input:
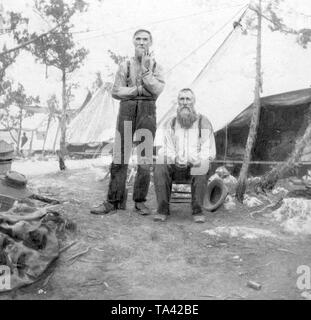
(35, 129)
(96, 123)
(93, 125)
(225, 86)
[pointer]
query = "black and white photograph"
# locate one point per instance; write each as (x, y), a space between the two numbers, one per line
(155, 151)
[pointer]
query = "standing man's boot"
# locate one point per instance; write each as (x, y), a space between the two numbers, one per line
(103, 208)
(142, 209)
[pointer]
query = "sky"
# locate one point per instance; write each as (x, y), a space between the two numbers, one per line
(178, 28)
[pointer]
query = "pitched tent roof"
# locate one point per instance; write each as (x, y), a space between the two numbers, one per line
(294, 98)
(283, 120)
(225, 86)
(84, 104)
(97, 121)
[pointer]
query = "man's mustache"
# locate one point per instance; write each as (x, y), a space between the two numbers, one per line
(186, 107)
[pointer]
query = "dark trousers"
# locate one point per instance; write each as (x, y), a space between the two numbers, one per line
(133, 115)
(165, 174)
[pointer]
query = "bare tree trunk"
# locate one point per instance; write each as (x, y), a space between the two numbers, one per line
(62, 146)
(56, 136)
(30, 145)
(19, 134)
(12, 136)
(269, 180)
(46, 133)
(241, 186)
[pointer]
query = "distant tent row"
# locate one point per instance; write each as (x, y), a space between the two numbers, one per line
(92, 125)
(42, 132)
(41, 136)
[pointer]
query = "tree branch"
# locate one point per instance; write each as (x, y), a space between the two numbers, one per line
(283, 27)
(30, 41)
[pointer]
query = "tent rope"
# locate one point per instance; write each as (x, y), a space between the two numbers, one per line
(205, 42)
(149, 24)
(259, 162)
(236, 24)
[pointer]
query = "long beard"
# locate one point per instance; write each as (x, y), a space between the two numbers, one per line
(139, 53)
(186, 120)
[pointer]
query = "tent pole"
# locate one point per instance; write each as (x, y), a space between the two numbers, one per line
(226, 143)
(57, 132)
(241, 186)
(30, 145)
(46, 134)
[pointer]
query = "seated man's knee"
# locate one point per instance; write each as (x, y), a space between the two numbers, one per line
(160, 170)
(200, 178)
(144, 167)
(114, 167)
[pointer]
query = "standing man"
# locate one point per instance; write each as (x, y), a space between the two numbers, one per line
(138, 83)
(189, 147)
(24, 141)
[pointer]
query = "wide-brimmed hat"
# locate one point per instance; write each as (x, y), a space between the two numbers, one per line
(13, 185)
(215, 195)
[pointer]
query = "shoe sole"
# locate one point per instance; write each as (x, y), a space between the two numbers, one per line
(98, 213)
(159, 219)
(142, 213)
(102, 212)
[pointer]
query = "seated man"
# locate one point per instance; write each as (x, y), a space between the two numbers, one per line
(188, 148)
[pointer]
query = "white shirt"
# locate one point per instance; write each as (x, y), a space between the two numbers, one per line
(186, 145)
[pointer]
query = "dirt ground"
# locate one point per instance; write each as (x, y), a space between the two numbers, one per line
(133, 257)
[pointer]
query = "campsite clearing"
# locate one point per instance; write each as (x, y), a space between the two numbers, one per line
(127, 256)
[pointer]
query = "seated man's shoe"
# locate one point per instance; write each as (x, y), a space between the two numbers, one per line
(198, 218)
(160, 217)
(104, 208)
(142, 209)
